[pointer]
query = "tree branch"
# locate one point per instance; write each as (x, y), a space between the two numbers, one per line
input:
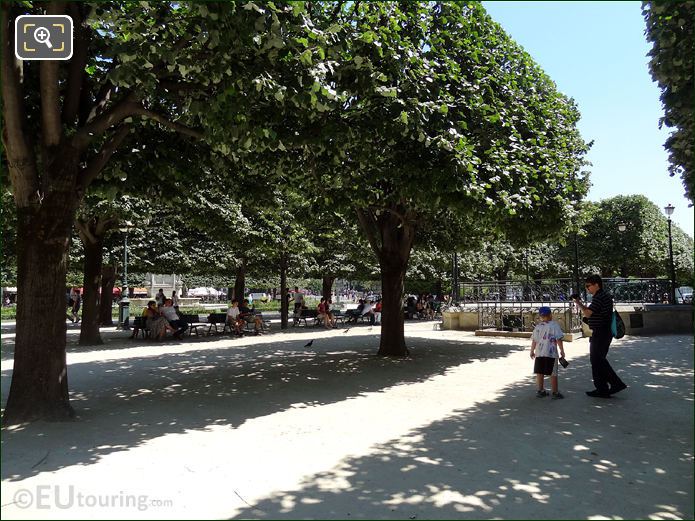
(162, 120)
(96, 165)
(103, 122)
(21, 160)
(50, 103)
(84, 231)
(75, 84)
(50, 94)
(102, 98)
(367, 222)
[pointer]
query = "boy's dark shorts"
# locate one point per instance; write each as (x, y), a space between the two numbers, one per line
(545, 365)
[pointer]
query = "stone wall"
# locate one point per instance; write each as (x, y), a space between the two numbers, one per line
(650, 319)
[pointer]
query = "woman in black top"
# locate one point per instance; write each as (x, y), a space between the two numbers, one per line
(599, 314)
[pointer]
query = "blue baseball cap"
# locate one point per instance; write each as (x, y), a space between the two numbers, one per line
(544, 311)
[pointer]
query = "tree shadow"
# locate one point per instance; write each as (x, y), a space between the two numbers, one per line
(122, 403)
(522, 457)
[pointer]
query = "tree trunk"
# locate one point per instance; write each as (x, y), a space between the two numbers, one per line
(283, 291)
(327, 286)
(108, 279)
(39, 388)
(391, 235)
(93, 256)
(240, 281)
(392, 342)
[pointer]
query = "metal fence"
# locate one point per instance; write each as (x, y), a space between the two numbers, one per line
(557, 291)
(524, 317)
(512, 305)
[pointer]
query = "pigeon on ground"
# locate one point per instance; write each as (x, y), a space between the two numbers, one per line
(348, 329)
(309, 343)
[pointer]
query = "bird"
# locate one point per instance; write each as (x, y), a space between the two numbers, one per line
(308, 344)
(348, 329)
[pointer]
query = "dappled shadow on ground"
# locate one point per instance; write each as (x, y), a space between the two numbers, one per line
(122, 403)
(522, 457)
(115, 339)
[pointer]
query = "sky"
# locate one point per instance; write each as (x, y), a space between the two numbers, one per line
(596, 53)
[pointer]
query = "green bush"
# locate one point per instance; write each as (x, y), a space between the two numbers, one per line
(9, 312)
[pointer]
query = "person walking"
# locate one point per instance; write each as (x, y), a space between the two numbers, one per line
(599, 314)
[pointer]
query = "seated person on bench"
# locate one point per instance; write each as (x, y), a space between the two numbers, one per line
(155, 322)
(233, 317)
(353, 314)
(173, 318)
(367, 312)
(246, 314)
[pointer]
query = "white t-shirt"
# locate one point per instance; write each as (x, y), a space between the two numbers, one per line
(233, 312)
(169, 313)
(298, 298)
(546, 335)
(367, 308)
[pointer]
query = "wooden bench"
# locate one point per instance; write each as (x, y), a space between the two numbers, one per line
(337, 315)
(140, 327)
(194, 323)
(214, 319)
(307, 314)
(250, 325)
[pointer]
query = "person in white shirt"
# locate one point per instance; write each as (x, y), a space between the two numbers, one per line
(172, 317)
(546, 340)
(233, 317)
(367, 310)
(298, 301)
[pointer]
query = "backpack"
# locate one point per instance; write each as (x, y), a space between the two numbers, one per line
(617, 325)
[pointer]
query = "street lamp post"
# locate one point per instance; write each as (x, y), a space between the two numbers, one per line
(577, 287)
(124, 304)
(672, 294)
(455, 278)
(622, 228)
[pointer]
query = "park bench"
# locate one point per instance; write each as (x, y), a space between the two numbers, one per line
(194, 323)
(250, 325)
(307, 314)
(214, 319)
(140, 327)
(337, 315)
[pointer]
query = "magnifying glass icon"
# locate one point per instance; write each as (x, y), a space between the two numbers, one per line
(42, 35)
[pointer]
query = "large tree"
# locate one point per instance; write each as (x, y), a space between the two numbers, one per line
(443, 116)
(62, 122)
(671, 29)
(642, 249)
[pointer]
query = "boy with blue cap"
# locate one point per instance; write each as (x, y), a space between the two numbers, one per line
(546, 340)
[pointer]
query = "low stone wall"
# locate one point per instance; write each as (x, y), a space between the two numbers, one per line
(461, 320)
(468, 320)
(658, 319)
(183, 301)
(650, 319)
(654, 319)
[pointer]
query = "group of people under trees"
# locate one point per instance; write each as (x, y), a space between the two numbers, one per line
(324, 313)
(423, 306)
(160, 318)
(365, 308)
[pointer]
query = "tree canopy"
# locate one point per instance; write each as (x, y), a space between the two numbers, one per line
(670, 28)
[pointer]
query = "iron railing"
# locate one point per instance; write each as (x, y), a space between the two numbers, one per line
(555, 291)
